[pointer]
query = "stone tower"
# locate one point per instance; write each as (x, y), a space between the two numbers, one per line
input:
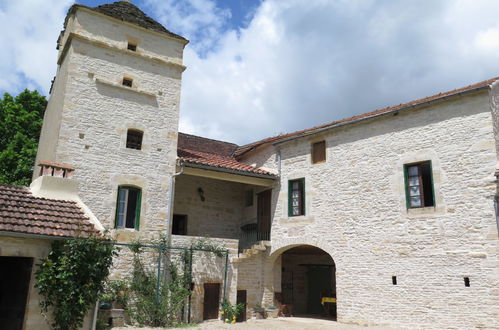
(113, 114)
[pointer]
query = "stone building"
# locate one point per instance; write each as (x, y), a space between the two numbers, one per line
(383, 218)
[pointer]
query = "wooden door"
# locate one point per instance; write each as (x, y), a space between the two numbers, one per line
(263, 215)
(211, 301)
(241, 299)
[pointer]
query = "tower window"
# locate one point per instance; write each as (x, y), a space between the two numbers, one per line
(467, 281)
(132, 47)
(128, 207)
(134, 139)
(419, 185)
(127, 82)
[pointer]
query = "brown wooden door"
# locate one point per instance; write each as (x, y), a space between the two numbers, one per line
(241, 299)
(263, 215)
(211, 300)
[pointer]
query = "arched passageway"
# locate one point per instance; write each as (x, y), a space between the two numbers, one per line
(307, 282)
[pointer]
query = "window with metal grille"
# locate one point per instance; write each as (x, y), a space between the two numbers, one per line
(134, 139)
(296, 197)
(419, 185)
(319, 152)
(128, 207)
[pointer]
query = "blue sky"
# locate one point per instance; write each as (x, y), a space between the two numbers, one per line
(256, 68)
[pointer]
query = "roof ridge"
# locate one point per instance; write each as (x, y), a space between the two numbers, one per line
(241, 150)
(205, 138)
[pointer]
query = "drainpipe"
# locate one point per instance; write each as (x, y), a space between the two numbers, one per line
(170, 205)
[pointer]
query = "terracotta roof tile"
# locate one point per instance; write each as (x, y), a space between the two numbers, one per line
(21, 212)
(213, 153)
(251, 146)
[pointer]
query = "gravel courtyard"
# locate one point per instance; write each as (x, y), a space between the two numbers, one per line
(278, 323)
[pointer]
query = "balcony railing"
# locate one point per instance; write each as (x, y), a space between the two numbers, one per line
(251, 235)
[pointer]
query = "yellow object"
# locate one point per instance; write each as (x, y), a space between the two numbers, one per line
(227, 320)
(328, 300)
(221, 313)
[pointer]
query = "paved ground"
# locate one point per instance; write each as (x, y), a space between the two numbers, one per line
(279, 323)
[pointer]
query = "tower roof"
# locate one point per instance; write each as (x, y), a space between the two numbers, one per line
(127, 12)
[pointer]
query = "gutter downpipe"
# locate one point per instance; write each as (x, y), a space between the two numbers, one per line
(170, 205)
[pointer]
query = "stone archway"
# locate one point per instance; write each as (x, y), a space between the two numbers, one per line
(302, 276)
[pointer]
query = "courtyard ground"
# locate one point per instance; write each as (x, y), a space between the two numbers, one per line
(278, 323)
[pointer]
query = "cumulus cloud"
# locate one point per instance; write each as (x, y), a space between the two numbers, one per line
(298, 64)
(29, 34)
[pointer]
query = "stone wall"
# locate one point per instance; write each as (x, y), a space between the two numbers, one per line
(356, 212)
(220, 214)
(90, 112)
(36, 248)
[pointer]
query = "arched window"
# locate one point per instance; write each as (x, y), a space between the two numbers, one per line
(128, 207)
(134, 139)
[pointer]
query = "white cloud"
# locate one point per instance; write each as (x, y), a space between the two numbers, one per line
(29, 33)
(300, 64)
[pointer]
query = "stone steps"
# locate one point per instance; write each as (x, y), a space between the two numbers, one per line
(254, 250)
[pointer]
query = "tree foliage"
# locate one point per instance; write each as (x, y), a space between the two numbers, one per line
(71, 278)
(21, 120)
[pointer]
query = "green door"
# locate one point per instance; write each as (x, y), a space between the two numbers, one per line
(319, 284)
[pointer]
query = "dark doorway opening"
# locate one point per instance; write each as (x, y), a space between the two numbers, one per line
(308, 282)
(211, 301)
(263, 214)
(241, 299)
(179, 225)
(15, 278)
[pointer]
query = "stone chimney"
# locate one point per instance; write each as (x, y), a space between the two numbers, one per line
(55, 182)
(58, 170)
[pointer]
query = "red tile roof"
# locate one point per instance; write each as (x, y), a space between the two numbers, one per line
(251, 146)
(21, 212)
(216, 154)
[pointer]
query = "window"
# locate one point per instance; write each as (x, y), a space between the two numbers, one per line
(319, 152)
(179, 225)
(128, 207)
(419, 185)
(134, 139)
(296, 196)
(127, 82)
(132, 47)
(248, 198)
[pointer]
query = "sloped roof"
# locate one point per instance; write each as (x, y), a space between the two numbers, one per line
(214, 154)
(440, 96)
(127, 12)
(21, 212)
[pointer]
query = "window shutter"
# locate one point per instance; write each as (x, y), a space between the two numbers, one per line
(290, 204)
(303, 196)
(407, 193)
(319, 152)
(137, 209)
(117, 208)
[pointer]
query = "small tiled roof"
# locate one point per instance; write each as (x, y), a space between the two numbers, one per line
(251, 146)
(215, 154)
(127, 12)
(21, 212)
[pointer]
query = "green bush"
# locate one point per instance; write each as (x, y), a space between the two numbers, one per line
(231, 312)
(71, 277)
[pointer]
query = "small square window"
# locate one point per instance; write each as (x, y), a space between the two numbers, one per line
(127, 82)
(132, 47)
(134, 139)
(319, 152)
(419, 185)
(296, 197)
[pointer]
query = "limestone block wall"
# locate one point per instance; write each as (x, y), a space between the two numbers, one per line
(91, 116)
(356, 212)
(219, 215)
(117, 34)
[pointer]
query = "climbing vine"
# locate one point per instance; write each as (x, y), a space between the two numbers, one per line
(70, 278)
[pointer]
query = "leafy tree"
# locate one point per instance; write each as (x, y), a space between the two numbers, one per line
(21, 120)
